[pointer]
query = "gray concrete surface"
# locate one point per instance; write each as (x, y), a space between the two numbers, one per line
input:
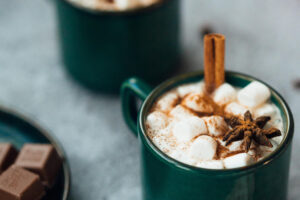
(262, 40)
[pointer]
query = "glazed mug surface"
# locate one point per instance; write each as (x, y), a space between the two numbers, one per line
(164, 178)
(101, 49)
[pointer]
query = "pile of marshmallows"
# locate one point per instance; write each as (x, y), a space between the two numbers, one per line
(114, 5)
(195, 140)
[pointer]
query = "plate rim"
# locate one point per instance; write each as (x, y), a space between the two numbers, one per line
(53, 140)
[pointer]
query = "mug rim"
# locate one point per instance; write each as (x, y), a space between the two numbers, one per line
(289, 131)
(134, 11)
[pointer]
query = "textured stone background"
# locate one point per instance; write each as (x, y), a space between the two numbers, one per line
(262, 40)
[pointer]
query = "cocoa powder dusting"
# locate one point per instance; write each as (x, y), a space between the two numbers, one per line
(217, 110)
(209, 105)
(232, 153)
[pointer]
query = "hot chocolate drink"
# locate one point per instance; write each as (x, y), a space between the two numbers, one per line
(114, 5)
(231, 127)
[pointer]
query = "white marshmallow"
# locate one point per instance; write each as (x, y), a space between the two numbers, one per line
(278, 139)
(157, 121)
(197, 88)
(275, 122)
(224, 94)
(216, 125)
(181, 157)
(177, 155)
(168, 129)
(238, 160)
(267, 150)
(265, 110)
(203, 148)
(212, 164)
(198, 103)
(167, 101)
(147, 2)
(235, 146)
(127, 4)
(254, 94)
(180, 112)
(186, 129)
(252, 153)
(235, 109)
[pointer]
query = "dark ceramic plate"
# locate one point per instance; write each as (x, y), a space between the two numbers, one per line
(17, 129)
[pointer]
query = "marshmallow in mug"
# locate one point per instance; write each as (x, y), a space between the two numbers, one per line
(238, 160)
(203, 148)
(186, 89)
(266, 110)
(198, 103)
(216, 125)
(187, 130)
(180, 112)
(224, 94)
(236, 109)
(213, 164)
(158, 120)
(254, 94)
(167, 101)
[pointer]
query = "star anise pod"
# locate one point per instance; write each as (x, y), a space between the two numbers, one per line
(249, 130)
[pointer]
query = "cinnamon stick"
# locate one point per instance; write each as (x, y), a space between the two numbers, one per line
(214, 56)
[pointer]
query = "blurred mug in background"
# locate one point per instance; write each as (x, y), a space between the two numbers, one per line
(102, 44)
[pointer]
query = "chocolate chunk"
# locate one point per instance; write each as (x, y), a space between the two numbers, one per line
(41, 159)
(19, 184)
(8, 155)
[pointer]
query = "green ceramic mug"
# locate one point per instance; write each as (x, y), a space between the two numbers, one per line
(101, 49)
(164, 178)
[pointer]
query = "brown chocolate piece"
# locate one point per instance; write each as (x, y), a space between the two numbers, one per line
(41, 159)
(8, 155)
(19, 184)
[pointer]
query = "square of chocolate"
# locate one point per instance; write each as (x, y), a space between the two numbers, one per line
(8, 155)
(41, 159)
(17, 183)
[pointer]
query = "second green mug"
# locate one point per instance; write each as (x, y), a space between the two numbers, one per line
(164, 178)
(101, 49)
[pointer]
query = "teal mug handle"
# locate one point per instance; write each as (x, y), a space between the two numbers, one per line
(132, 89)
